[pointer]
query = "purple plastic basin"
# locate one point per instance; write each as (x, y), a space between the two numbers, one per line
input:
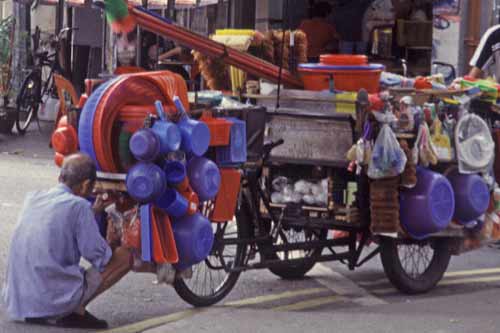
(194, 239)
(204, 177)
(145, 145)
(146, 182)
(428, 207)
(472, 196)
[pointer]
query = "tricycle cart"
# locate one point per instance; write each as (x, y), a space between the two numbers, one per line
(289, 238)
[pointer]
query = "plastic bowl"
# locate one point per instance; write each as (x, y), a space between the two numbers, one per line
(204, 177)
(146, 182)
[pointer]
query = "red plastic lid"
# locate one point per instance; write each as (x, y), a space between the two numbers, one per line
(343, 59)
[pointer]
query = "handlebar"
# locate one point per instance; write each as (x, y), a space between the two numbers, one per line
(268, 147)
(65, 30)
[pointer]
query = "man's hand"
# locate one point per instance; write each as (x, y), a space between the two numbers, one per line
(100, 203)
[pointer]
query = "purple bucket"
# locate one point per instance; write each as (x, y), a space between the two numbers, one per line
(428, 207)
(194, 239)
(146, 182)
(204, 177)
(145, 145)
(472, 196)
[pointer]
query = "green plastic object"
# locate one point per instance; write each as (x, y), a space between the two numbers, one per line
(124, 154)
(488, 88)
(116, 10)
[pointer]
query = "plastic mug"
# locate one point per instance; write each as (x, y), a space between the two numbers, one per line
(195, 134)
(173, 203)
(175, 171)
(145, 145)
(168, 133)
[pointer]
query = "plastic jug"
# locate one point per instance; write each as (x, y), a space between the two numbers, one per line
(168, 132)
(194, 238)
(145, 145)
(146, 182)
(204, 177)
(428, 207)
(195, 134)
(472, 196)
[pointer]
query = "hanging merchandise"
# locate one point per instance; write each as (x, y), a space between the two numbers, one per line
(474, 145)
(388, 159)
(424, 151)
(442, 142)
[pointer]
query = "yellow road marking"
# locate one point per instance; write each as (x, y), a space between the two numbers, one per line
(446, 275)
(472, 272)
(309, 304)
(469, 280)
(153, 322)
(274, 297)
(446, 283)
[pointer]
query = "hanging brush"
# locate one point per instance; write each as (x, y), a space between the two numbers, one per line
(118, 16)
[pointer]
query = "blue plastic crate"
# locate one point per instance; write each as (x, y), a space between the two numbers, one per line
(236, 151)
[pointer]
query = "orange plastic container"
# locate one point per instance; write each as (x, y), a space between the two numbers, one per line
(227, 198)
(343, 59)
(220, 129)
(347, 78)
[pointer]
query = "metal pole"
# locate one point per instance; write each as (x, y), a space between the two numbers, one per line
(59, 16)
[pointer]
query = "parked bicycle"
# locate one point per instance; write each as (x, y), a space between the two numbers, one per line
(38, 85)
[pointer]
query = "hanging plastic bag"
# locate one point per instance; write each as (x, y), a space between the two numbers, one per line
(441, 142)
(424, 152)
(388, 159)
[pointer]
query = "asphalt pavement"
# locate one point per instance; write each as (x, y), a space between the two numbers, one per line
(330, 299)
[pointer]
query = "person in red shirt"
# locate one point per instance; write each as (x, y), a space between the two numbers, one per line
(321, 35)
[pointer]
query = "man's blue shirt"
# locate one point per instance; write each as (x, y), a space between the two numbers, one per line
(55, 230)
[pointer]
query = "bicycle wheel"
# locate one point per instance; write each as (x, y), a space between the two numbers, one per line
(211, 281)
(290, 271)
(27, 102)
(415, 268)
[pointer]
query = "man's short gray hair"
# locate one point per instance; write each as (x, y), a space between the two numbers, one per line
(76, 169)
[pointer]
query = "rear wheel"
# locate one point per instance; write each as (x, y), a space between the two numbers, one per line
(415, 267)
(289, 271)
(211, 280)
(27, 102)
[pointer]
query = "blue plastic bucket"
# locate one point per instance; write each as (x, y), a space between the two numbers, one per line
(169, 135)
(428, 207)
(146, 182)
(472, 196)
(195, 136)
(204, 177)
(194, 239)
(175, 171)
(173, 203)
(145, 145)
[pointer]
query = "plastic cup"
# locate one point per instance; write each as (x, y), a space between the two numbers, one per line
(204, 177)
(145, 145)
(175, 172)
(173, 203)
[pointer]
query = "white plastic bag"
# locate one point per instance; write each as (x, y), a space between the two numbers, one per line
(388, 159)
